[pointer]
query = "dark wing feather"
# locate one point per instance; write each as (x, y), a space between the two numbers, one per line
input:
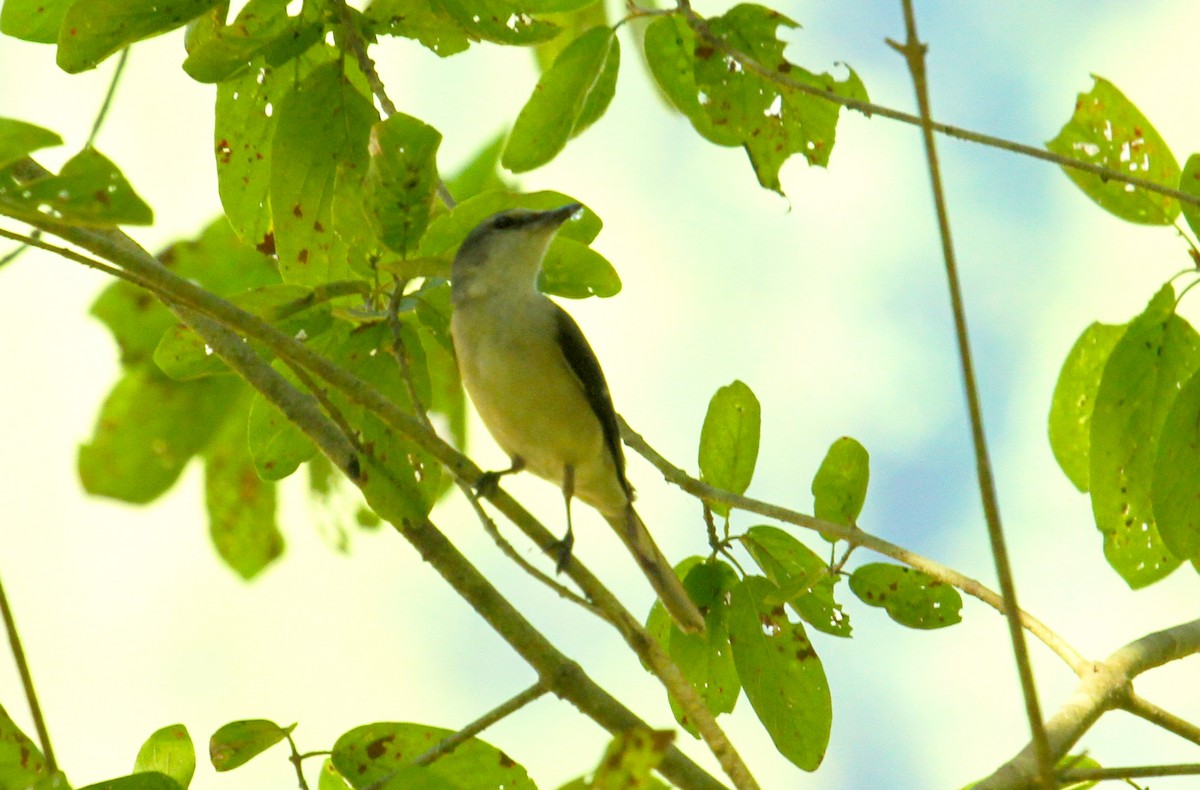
(586, 367)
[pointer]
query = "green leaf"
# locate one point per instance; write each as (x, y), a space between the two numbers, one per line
(729, 441)
(568, 98)
(138, 781)
(276, 445)
(33, 20)
(241, 505)
(499, 21)
(730, 104)
(374, 752)
(1075, 397)
(630, 758)
(263, 28)
(1189, 182)
(780, 672)
(407, 474)
(402, 180)
(322, 130)
(1107, 130)
(168, 751)
(1152, 360)
(480, 174)
(215, 260)
(148, 429)
(840, 485)
(803, 578)
(330, 778)
(94, 29)
(574, 270)
(21, 762)
(704, 659)
(910, 597)
(238, 742)
(89, 191)
(183, 355)
(18, 139)
(420, 20)
(1175, 490)
(574, 21)
(246, 117)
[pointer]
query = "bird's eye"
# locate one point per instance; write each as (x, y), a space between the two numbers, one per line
(504, 221)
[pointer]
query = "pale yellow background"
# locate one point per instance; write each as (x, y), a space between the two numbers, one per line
(831, 305)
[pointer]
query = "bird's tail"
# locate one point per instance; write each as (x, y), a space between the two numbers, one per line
(657, 568)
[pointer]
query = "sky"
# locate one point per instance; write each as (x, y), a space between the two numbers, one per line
(831, 304)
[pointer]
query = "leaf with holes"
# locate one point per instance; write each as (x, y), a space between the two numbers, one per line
(92, 30)
(803, 578)
(1148, 365)
(321, 134)
(402, 181)
(780, 673)
(732, 104)
(1108, 130)
(89, 191)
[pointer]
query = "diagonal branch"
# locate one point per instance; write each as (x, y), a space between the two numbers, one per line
(35, 710)
(1108, 686)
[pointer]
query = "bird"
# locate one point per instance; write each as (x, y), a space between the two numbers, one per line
(540, 390)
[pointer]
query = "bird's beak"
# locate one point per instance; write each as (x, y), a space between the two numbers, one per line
(557, 216)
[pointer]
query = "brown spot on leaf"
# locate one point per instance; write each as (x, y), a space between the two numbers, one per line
(784, 67)
(378, 747)
(267, 245)
(302, 256)
(704, 52)
(297, 212)
(318, 227)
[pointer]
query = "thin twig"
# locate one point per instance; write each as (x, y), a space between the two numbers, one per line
(855, 537)
(1129, 772)
(35, 710)
(452, 742)
(1159, 717)
(914, 54)
(296, 759)
(108, 97)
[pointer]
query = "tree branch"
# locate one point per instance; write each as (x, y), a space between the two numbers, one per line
(854, 537)
(1108, 686)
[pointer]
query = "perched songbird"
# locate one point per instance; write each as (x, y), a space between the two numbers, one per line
(539, 389)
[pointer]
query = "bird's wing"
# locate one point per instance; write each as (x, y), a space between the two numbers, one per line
(586, 368)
